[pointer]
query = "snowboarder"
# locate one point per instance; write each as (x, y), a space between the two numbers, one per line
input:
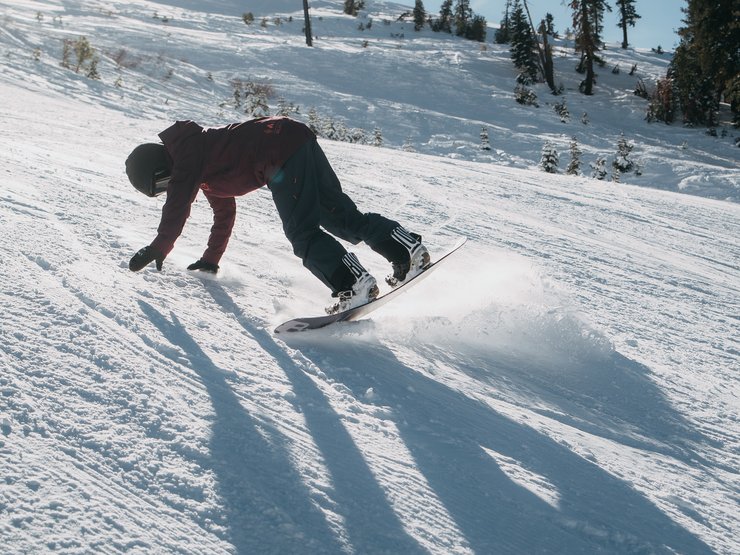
(283, 154)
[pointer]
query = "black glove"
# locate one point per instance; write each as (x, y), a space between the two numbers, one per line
(144, 257)
(204, 266)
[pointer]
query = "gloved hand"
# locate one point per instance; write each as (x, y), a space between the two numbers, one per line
(144, 257)
(204, 266)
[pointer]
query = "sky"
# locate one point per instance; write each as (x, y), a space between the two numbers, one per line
(658, 25)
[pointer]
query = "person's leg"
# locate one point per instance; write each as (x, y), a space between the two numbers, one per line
(339, 214)
(295, 193)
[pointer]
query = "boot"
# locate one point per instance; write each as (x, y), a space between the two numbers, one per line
(361, 290)
(406, 253)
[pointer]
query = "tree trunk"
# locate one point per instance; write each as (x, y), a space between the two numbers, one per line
(623, 9)
(307, 23)
(588, 50)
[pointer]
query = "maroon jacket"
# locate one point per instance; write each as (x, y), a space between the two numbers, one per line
(224, 163)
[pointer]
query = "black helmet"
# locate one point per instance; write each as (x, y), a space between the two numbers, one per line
(148, 170)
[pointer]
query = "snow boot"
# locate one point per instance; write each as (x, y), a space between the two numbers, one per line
(363, 290)
(406, 253)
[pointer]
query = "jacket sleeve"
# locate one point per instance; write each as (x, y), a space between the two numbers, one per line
(224, 216)
(184, 145)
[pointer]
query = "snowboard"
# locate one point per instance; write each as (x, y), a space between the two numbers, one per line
(316, 322)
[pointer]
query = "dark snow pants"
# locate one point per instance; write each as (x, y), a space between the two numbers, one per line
(309, 197)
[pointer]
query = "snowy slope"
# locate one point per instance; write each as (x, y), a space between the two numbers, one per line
(432, 92)
(578, 394)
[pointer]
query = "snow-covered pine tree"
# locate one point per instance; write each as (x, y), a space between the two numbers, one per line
(256, 106)
(526, 96)
(314, 122)
(574, 166)
(377, 137)
(561, 109)
(598, 168)
(342, 132)
(550, 158)
(484, 140)
(622, 163)
(329, 129)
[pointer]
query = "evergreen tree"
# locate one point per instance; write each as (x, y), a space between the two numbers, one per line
(420, 15)
(523, 45)
(314, 122)
(503, 35)
(599, 168)
(353, 7)
(462, 16)
(550, 25)
(574, 166)
(377, 137)
(484, 140)
(444, 23)
(477, 29)
(550, 158)
(627, 16)
(622, 162)
(707, 60)
(587, 23)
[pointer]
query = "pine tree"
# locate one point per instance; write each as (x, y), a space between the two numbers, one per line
(627, 16)
(353, 7)
(550, 158)
(420, 15)
(599, 168)
(503, 34)
(477, 29)
(550, 25)
(256, 106)
(484, 140)
(707, 61)
(444, 23)
(462, 16)
(314, 122)
(522, 45)
(329, 129)
(377, 137)
(622, 163)
(561, 109)
(84, 52)
(574, 166)
(587, 23)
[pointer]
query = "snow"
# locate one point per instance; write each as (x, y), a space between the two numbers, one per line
(568, 383)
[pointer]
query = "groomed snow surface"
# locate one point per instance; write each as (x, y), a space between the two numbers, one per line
(567, 383)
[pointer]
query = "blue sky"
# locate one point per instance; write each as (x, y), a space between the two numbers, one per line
(658, 26)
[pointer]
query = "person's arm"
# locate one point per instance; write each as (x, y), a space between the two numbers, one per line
(224, 216)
